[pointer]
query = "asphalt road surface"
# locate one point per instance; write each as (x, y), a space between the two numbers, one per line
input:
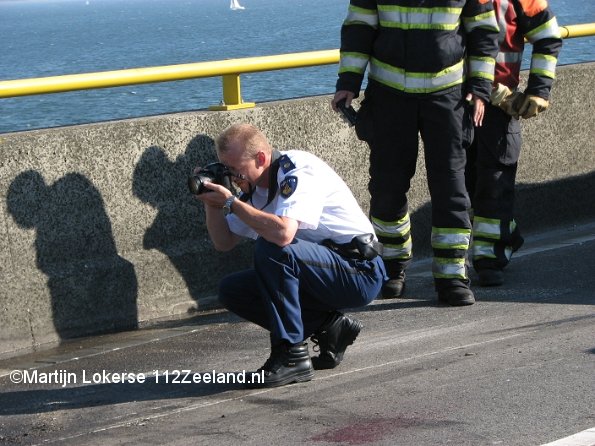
(516, 368)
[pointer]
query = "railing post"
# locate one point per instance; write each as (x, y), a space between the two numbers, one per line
(232, 96)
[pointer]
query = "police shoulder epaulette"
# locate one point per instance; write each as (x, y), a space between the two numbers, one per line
(286, 164)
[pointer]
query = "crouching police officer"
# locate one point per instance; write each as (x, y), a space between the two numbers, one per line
(315, 252)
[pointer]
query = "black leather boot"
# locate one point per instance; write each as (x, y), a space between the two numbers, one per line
(490, 277)
(454, 292)
(333, 338)
(395, 286)
(287, 364)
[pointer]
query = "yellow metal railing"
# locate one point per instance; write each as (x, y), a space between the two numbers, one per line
(230, 70)
(582, 30)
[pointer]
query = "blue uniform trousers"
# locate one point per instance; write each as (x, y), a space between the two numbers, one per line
(292, 289)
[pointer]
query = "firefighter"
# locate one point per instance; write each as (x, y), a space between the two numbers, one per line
(431, 70)
(493, 156)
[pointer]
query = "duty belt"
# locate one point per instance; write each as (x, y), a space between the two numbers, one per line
(360, 247)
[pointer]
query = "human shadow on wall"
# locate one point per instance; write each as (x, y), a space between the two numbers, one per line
(92, 288)
(538, 207)
(179, 230)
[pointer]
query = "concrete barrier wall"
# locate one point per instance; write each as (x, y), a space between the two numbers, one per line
(99, 233)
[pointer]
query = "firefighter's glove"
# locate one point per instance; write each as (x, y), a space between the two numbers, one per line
(530, 106)
(503, 98)
(499, 93)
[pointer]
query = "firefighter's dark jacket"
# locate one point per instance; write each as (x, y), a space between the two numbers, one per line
(419, 46)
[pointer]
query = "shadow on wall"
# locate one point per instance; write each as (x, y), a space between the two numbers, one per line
(537, 207)
(92, 288)
(178, 230)
(556, 202)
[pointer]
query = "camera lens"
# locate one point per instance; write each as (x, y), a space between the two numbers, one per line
(196, 184)
(214, 172)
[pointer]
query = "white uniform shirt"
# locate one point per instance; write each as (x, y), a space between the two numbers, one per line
(313, 194)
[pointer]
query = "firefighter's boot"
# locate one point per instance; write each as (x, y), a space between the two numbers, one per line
(395, 286)
(490, 277)
(454, 292)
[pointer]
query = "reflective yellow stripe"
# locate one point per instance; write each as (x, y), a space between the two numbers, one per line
(483, 250)
(412, 82)
(361, 16)
(397, 251)
(482, 67)
(486, 227)
(502, 21)
(419, 18)
(392, 228)
(512, 57)
(399, 228)
(487, 20)
(544, 65)
(450, 238)
(353, 62)
(449, 268)
(548, 30)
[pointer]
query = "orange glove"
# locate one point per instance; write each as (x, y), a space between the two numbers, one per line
(530, 106)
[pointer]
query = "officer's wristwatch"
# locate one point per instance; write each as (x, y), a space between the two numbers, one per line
(227, 206)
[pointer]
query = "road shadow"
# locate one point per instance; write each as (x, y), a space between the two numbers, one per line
(74, 396)
(561, 275)
(555, 276)
(93, 289)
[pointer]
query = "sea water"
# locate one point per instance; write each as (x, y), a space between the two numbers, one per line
(41, 38)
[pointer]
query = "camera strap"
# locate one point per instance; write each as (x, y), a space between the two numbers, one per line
(273, 185)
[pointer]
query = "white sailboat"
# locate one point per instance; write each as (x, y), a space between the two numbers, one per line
(235, 4)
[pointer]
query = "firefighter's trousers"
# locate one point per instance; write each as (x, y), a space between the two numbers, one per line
(491, 173)
(391, 124)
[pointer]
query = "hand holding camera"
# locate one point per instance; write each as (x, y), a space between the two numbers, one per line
(217, 173)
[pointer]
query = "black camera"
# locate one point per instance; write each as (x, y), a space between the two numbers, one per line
(349, 113)
(217, 173)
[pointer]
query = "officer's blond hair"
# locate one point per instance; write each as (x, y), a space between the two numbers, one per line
(253, 140)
